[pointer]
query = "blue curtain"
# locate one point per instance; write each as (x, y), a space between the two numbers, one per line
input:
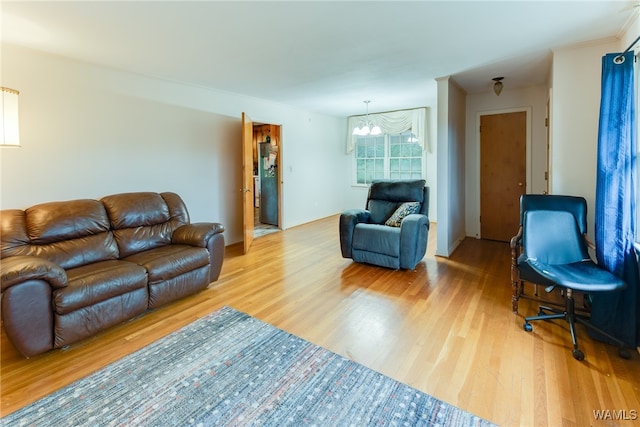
(615, 216)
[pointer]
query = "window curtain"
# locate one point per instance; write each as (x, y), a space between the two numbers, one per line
(392, 123)
(617, 313)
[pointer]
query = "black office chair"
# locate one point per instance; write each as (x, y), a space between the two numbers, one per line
(555, 248)
(521, 272)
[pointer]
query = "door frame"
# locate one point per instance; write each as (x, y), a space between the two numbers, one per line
(247, 189)
(528, 165)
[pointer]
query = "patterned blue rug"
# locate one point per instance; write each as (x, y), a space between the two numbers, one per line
(230, 369)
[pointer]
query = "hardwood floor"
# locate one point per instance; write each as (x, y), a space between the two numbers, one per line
(445, 328)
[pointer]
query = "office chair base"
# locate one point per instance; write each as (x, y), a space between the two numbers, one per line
(572, 318)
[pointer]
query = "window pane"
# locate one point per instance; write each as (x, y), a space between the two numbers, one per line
(379, 169)
(360, 177)
(371, 151)
(368, 170)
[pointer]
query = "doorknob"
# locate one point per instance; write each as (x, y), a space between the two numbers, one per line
(520, 184)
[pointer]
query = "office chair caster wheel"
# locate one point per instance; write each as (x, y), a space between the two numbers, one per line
(624, 353)
(527, 327)
(577, 354)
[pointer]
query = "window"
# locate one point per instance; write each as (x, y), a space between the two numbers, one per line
(395, 156)
(637, 142)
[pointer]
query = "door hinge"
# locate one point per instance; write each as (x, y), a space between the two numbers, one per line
(546, 121)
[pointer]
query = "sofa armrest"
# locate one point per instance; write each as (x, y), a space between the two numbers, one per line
(348, 221)
(414, 234)
(27, 284)
(196, 234)
(18, 269)
(205, 235)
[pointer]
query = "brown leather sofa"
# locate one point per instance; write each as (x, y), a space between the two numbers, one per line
(71, 269)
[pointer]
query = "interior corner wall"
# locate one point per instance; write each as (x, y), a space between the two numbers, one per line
(88, 131)
(575, 114)
(451, 166)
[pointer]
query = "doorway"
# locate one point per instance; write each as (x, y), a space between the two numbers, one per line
(503, 173)
(267, 155)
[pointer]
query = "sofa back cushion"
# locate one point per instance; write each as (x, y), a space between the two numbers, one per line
(144, 220)
(70, 234)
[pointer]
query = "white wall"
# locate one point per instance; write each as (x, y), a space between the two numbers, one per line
(89, 131)
(531, 99)
(575, 110)
(451, 166)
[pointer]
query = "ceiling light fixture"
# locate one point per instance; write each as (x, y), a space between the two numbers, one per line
(367, 128)
(497, 86)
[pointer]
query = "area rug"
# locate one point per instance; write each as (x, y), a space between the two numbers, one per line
(230, 369)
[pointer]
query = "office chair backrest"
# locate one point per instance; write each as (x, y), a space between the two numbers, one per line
(553, 237)
(576, 205)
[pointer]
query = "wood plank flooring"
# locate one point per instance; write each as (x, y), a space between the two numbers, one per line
(445, 328)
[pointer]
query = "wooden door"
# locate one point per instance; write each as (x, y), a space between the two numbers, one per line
(503, 172)
(247, 181)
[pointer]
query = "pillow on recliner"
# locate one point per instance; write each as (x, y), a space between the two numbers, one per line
(403, 210)
(380, 210)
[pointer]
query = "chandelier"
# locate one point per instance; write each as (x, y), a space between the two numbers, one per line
(367, 127)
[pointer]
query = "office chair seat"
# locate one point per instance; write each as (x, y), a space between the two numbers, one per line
(573, 276)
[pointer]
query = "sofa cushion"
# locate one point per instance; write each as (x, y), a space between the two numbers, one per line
(170, 261)
(377, 238)
(144, 220)
(93, 283)
(13, 233)
(398, 191)
(403, 210)
(70, 234)
(380, 210)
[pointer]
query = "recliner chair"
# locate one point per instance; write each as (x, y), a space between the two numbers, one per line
(555, 249)
(393, 230)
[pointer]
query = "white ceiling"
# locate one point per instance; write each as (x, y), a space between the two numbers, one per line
(320, 56)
